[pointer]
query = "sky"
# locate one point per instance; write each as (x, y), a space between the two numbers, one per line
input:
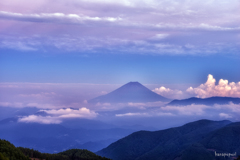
(58, 54)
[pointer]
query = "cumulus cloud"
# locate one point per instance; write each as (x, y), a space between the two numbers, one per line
(210, 89)
(167, 92)
(56, 116)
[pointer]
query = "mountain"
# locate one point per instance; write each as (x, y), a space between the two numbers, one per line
(223, 140)
(6, 112)
(205, 101)
(53, 138)
(130, 92)
(9, 151)
(226, 139)
(81, 123)
(164, 144)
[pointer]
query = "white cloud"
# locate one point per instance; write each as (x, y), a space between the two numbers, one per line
(40, 119)
(117, 106)
(55, 18)
(187, 110)
(72, 113)
(55, 116)
(226, 111)
(224, 115)
(159, 36)
(146, 114)
(167, 92)
(234, 108)
(132, 114)
(210, 89)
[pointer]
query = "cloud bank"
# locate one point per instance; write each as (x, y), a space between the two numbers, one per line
(57, 116)
(210, 89)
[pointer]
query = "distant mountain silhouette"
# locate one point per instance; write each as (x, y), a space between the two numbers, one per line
(175, 143)
(130, 92)
(205, 101)
(48, 138)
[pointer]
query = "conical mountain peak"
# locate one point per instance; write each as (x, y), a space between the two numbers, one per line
(130, 92)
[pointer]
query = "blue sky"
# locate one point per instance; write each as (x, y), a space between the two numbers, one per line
(60, 54)
(116, 68)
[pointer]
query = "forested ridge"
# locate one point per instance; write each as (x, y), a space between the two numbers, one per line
(9, 152)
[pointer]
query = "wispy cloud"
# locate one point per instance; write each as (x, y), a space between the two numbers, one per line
(55, 18)
(132, 114)
(187, 110)
(145, 114)
(49, 95)
(143, 27)
(224, 115)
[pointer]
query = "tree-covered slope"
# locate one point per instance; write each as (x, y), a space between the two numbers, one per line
(9, 152)
(78, 154)
(163, 144)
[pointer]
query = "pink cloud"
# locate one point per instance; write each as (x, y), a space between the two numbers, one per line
(142, 26)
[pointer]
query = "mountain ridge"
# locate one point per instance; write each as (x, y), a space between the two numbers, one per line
(130, 92)
(162, 144)
(205, 101)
